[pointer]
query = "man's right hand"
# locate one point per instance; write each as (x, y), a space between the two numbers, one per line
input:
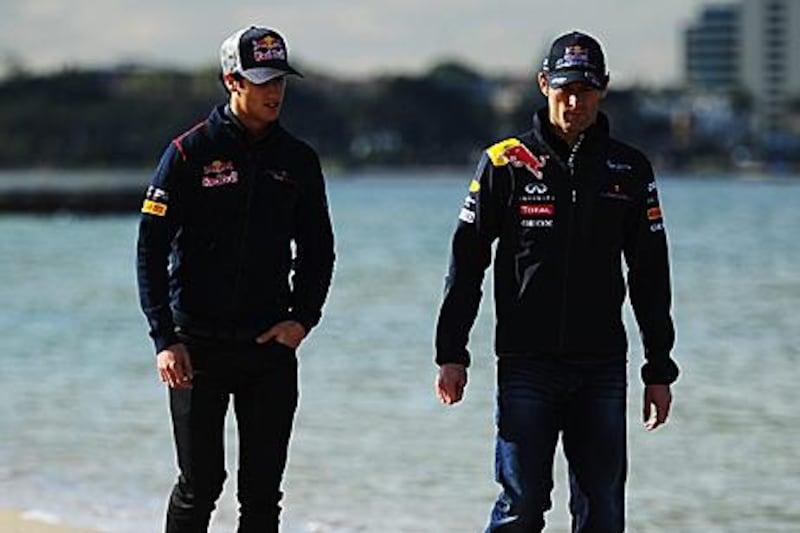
(175, 366)
(450, 383)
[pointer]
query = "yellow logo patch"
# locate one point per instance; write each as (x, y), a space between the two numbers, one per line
(497, 151)
(154, 208)
(474, 186)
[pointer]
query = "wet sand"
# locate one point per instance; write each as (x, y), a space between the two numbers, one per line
(19, 522)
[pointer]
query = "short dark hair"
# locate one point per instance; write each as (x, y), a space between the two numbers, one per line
(236, 76)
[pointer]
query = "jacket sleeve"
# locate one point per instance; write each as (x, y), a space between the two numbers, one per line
(477, 228)
(158, 225)
(314, 249)
(649, 283)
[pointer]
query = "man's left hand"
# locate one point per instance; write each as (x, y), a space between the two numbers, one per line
(660, 397)
(289, 332)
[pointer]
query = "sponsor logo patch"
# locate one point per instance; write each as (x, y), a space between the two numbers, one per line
(512, 151)
(536, 188)
(281, 175)
(154, 208)
(654, 213)
(537, 198)
(467, 216)
(658, 226)
(536, 222)
(474, 186)
(574, 56)
(616, 192)
(156, 194)
(268, 48)
(219, 173)
(537, 210)
(618, 167)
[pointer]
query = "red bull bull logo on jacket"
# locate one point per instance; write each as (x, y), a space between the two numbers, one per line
(219, 173)
(518, 155)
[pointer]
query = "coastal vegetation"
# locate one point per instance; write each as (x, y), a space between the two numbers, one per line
(123, 117)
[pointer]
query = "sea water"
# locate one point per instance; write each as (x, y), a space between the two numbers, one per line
(84, 428)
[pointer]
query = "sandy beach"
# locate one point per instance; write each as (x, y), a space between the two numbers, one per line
(19, 522)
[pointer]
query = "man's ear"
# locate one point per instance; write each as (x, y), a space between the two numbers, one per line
(605, 88)
(544, 86)
(230, 82)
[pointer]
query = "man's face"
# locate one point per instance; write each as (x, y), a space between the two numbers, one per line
(573, 107)
(258, 104)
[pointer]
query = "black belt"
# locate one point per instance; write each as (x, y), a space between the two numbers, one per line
(217, 332)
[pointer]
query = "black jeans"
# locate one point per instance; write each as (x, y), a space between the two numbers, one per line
(262, 379)
(539, 398)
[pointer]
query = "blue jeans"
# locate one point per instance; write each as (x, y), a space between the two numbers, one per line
(262, 380)
(539, 398)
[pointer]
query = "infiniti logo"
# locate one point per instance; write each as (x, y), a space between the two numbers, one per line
(536, 188)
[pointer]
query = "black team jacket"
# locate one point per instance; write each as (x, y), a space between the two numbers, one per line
(563, 220)
(234, 235)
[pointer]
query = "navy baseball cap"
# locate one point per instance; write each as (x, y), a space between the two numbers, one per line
(576, 57)
(257, 54)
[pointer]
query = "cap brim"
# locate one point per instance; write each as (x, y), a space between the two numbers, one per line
(264, 74)
(561, 78)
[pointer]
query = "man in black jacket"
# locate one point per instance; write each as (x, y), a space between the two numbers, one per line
(565, 203)
(235, 256)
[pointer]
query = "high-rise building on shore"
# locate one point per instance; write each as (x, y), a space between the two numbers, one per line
(750, 48)
(712, 49)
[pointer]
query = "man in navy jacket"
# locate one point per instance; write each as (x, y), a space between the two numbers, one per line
(565, 203)
(235, 257)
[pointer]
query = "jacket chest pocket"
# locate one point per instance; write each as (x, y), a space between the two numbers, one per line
(214, 217)
(610, 210)
(275, 201)
(222, 202)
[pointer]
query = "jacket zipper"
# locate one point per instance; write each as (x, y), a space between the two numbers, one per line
(243, 234)
(570, 222)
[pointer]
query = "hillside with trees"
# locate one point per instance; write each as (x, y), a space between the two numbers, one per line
(123, 118)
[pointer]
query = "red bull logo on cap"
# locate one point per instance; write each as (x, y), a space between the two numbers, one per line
(518, 155)
(268, 48)
(575, 55)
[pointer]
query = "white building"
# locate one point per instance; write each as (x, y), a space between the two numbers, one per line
(771, 58)
(752, 47)
(712, 49)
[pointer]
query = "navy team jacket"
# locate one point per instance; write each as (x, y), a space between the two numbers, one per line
(234, 235)
(563, 219)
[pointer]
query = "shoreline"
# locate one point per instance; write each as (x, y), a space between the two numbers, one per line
(15, 521)
(117, 191)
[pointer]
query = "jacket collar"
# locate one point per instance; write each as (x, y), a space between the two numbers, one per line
(544, 133)
(223, 117)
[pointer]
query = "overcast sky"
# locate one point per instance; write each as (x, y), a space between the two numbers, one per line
(349, 37)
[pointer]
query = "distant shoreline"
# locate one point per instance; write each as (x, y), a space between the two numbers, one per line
(120, 191)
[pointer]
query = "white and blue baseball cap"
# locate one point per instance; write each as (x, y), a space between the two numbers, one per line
(256, 53)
